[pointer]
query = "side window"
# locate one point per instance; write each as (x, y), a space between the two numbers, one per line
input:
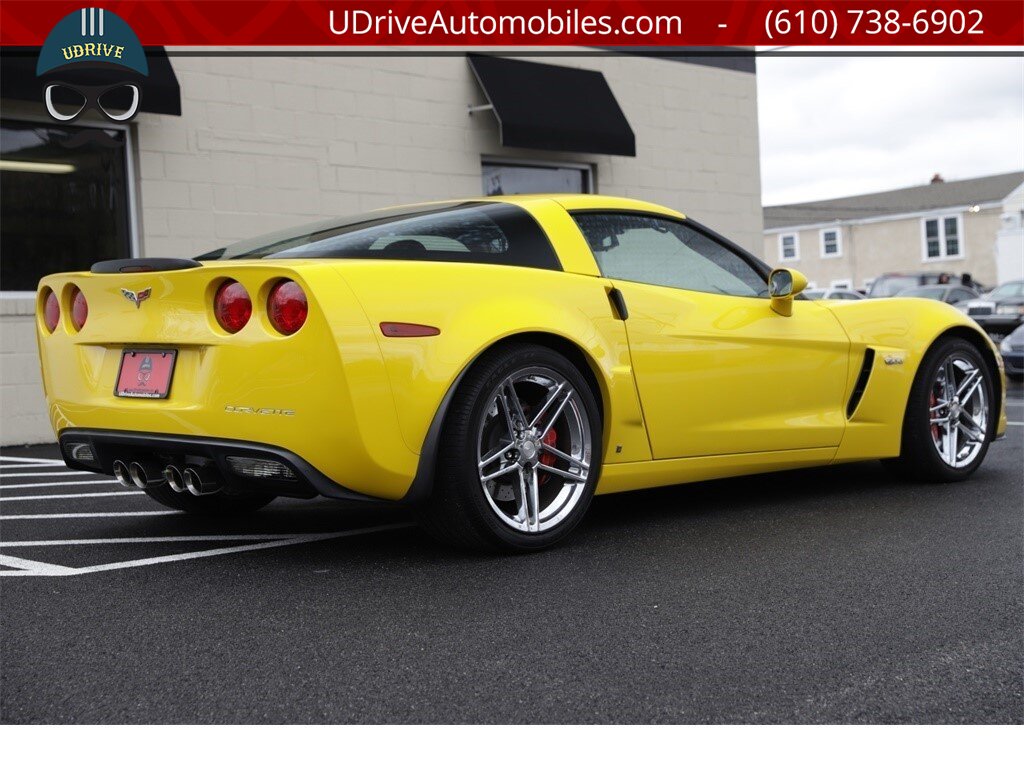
(647, 249)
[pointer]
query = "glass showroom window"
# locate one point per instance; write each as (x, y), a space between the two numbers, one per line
(831, 244)
(504, 178)
(788, 249)
(63, 205)
(942, 238)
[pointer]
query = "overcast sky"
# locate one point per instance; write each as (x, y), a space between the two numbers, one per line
(832, 127)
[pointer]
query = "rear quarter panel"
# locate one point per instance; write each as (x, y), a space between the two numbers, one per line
(478, 306)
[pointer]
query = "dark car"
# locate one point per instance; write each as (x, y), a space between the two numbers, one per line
(891, 283)
(1000, 311)
(1012, 349)
(950, 294)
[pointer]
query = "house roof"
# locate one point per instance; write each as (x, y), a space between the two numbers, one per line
(928, 197)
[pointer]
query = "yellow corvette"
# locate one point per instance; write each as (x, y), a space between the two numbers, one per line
(502, 359)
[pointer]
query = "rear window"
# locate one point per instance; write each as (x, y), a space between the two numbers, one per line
(476, 233)
(928, 292)
(1007, 291)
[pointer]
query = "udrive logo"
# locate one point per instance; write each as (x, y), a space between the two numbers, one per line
(93, 62)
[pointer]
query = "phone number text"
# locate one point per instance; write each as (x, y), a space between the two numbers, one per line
(828, 23)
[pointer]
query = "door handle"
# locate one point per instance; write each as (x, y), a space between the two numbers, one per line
(618, 302)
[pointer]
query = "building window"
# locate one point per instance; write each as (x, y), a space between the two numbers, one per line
(502, 177)
(789, 248)
(831, 243)
(942, 238)
(62, 207)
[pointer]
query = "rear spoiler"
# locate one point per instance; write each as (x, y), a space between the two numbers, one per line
(115, 266)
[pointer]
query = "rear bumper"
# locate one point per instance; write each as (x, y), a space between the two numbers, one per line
(107, 445)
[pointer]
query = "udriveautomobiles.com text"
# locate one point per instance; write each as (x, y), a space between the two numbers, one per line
(567, 22)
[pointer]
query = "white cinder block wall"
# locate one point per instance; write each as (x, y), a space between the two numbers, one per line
(265, 142)
(23, 416)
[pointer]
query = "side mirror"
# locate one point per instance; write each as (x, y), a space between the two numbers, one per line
(783, 285)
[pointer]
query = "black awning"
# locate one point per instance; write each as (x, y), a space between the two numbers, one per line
(541, 106)
(160, 91)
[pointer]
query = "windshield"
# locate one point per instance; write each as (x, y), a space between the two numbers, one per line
(893, 284)
(812, 293)
(1008, 291)
(925, 292)
(482, 233)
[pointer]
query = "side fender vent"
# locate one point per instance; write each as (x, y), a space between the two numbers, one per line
(862, 382)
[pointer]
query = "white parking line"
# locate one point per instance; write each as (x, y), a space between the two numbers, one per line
(33, 567)
(40, 474)
(50, 516)
(152, 539)
(40, 462)
(68, 496)
(39, 568)
(60, 483)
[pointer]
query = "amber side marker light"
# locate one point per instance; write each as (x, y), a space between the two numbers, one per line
(408, 329)
(51, 311)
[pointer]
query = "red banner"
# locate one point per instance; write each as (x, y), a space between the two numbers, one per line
(539, 23)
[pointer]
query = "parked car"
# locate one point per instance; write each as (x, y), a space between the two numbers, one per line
(495, 362)
(950, 294)
(999, 311)
(891, 283)
(1012, 349)
(836, 294)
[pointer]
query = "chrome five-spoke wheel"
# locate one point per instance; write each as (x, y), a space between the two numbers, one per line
(951, 414)
(533, 449)
(520, 452)
(958, 410)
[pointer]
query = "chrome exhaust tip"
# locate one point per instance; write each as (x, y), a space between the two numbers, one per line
(122, 473)
(201, 481)
(146, 475)
(174, 479)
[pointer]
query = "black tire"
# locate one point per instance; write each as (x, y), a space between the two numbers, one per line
(919, 457)
(220, 504)
(459, 513)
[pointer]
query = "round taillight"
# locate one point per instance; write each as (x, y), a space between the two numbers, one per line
(287, 307)
(51, 311)
(79, 308)
(232, 306)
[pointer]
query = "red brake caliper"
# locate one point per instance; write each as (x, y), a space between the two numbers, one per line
(546, 458)
(932, 402)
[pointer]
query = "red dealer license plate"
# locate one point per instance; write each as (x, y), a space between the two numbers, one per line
(146, 373)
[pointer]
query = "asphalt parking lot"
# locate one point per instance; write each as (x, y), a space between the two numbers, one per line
(832, 595)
